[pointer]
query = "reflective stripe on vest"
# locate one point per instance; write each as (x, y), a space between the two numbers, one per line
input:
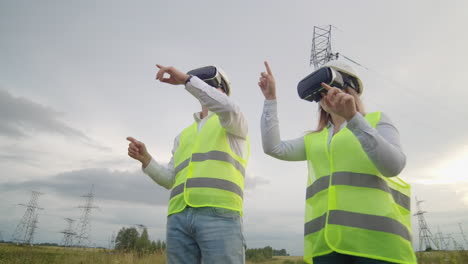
(358, 180)
(181, 166)
(364, 221)
(208, 183)
(221, 156)
(212, 155)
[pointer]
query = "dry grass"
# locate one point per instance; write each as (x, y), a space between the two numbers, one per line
(286, 260)
(436, 257)
(11, 254)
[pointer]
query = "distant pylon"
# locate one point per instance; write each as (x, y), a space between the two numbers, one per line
(321, 52)
(112, 241)
(24, 232)
(1, 236)
(32, 230)
(463, 235)
(456, 245)
(425, 235)
(443, 244)
(84, 225)
(68, 234)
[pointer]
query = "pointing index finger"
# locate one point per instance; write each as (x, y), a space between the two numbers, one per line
(326, 86)
(132, 140)
(268, 68)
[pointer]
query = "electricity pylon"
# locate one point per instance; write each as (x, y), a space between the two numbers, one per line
(441, 240)
(24, 232)
(68, 234)
(112, 241)
(321, 52)
(84, 226)
(425, 235)
(463, 234)
(456, 245)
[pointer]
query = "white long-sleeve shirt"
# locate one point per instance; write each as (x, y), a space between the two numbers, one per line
(381, 144)
(230, 117)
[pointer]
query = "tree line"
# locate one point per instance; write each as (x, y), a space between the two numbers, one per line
(263, 254)
(129, 239)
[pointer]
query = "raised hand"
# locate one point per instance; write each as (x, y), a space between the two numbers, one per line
(267, 83)
(137, 150)
(175, 76)
(339, 102)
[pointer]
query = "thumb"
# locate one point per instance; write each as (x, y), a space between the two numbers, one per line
(167, 80)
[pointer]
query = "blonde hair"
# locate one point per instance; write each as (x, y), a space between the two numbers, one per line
(325, 118)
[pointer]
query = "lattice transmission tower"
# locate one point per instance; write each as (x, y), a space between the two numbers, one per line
(68, 234)
(456, 245)
(442, 241)
(463, 235)
(321, 52)
(84, 225)
(112, 241)
(24, 231)
(425, 235)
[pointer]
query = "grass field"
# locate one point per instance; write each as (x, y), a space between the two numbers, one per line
(11, 254)
(434, 257)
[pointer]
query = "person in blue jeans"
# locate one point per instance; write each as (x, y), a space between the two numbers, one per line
(205, 173)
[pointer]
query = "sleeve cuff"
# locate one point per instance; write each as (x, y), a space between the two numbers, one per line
(356, 122)
(270, 105)
(150, 167)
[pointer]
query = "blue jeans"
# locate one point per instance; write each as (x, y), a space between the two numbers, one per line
(337, 258)
(205, 235)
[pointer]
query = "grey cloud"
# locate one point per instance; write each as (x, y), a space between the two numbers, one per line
(21, 117)
(19, 154)
(17, 158)
(124, 186)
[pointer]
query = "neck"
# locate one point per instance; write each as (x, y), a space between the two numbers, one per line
(204, 112)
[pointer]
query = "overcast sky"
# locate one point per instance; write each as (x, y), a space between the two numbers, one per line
(77, 78)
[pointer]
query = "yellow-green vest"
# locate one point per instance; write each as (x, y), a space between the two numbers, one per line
(208, 172)
(350, 207)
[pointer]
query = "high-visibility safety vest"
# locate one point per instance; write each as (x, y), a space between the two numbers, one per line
(208, 172)
(350, 207)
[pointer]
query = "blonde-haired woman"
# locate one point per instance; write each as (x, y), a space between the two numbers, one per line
(357, 209)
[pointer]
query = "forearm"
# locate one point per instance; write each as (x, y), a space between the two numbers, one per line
(291, 150)
(382, 144)
(229, 113)
(162, 175)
